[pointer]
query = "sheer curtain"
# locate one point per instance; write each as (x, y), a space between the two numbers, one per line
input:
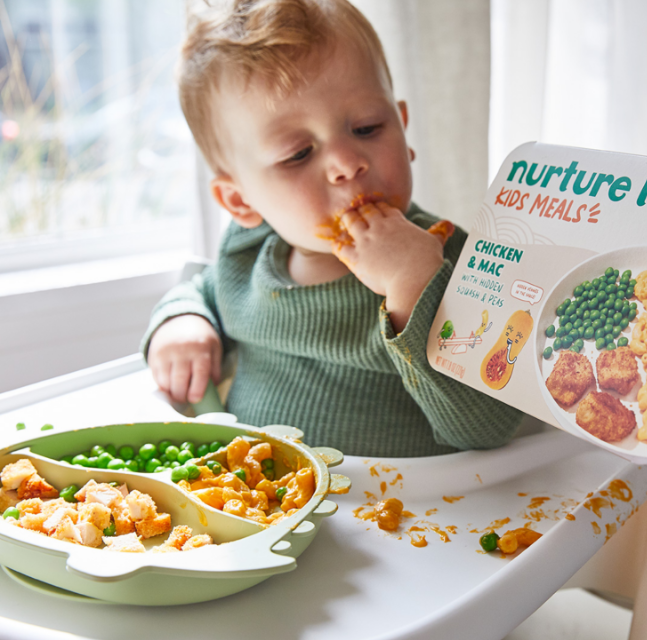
(439, 54)
(570, 72)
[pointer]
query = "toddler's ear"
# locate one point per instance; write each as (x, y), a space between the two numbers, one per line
(228, 195)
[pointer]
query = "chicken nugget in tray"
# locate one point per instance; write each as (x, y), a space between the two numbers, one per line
(571, 376)
(617, 370)
(605, 417)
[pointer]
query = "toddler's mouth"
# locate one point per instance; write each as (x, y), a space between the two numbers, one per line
(334, 230)
(362, 199)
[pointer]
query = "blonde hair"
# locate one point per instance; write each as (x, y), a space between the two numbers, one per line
(261, 38)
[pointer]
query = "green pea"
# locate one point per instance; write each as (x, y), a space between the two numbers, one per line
(550, 330)
(627, 274)
(67, 459)
(617, 330)
(557, 344)
(80, 459)
(609, 271)
(215, 466)
(115, 464)
(268, 463)
(623, 342)
(111, 449)
(152, 464)
(241, 474)
(160, 469)
(601, 295)
(215, 446)
(110, 530)
(269, 474)
(571, 309)
(599, 333)
(174, 465)
(68, 493)
(578, 323)
(616, 273)
(172, 452)
(611, 346)
(589, 333)
(20, 426)
(608, 338)
(574, 348)
(47, 427)
(104, 459)
(179, 473)
(600, 343)
(188, 445)
(280, 493)
(132, 465)
(193, 471)
(561, 331)
(579, 343)
(617, 317)
(595, 315)
(567, 341)
(126, 452)
(624, 323)
(164, 445)
(202, 450)
(596, 283)
(578, 291)
(93, 462)
(632, 314)
(548, 351)
(147, 451)
(568, 326)
(163, 458)
(11, 512)
(184, 456)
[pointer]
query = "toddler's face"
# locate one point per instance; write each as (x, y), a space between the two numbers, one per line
(297, 161)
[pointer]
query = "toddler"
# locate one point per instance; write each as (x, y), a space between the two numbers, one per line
(327, 280)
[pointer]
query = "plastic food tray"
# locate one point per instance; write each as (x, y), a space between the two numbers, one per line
(245, 552)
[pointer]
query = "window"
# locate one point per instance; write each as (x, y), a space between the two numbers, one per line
(96, 159)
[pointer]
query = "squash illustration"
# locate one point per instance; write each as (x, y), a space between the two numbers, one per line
(498, 364)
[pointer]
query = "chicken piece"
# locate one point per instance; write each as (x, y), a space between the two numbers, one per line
(141, 506)
(201, 540)
(129, 543)
(36, 487)
(165, 548)
(102, 493)
(605, 417)
(15, 473)
(152, 527)
(571, 376)
(121, 515)
(8, 499)
(617, 370)
(90, 535)
(65, 530)
(33, 505)
(179, 536)
(55, 518)
(33, 522)
(95, 513)
(49, 506)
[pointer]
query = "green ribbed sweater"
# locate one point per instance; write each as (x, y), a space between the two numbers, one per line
(324, 358)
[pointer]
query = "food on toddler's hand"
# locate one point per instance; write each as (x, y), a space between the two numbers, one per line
(617, 370)
(388, 514)
(571, 376)
(444, 229)
(605, 417)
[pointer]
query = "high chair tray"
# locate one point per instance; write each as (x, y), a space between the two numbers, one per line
(356, 581)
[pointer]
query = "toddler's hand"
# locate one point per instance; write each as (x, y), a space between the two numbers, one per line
(184, 353)
(390, 255)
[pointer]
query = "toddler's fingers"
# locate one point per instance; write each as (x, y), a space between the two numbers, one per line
(369, 209)
(387, 210)
(199, 379)
(216, 361)
(179, 383)
(346, 253)
(162, 376)
(354, 222)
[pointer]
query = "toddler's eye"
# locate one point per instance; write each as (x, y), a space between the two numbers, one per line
(299, 155)
(367, 130)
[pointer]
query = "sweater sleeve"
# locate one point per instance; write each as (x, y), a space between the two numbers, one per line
(459, 415)
(196, 296)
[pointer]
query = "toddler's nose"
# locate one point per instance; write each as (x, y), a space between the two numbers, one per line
(345, 165)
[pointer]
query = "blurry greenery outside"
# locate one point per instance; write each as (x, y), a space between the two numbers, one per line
(91, 133)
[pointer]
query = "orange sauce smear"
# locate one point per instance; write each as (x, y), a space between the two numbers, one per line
(452, 499)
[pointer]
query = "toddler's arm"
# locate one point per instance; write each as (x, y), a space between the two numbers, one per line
(184, 353)
(390, 255)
